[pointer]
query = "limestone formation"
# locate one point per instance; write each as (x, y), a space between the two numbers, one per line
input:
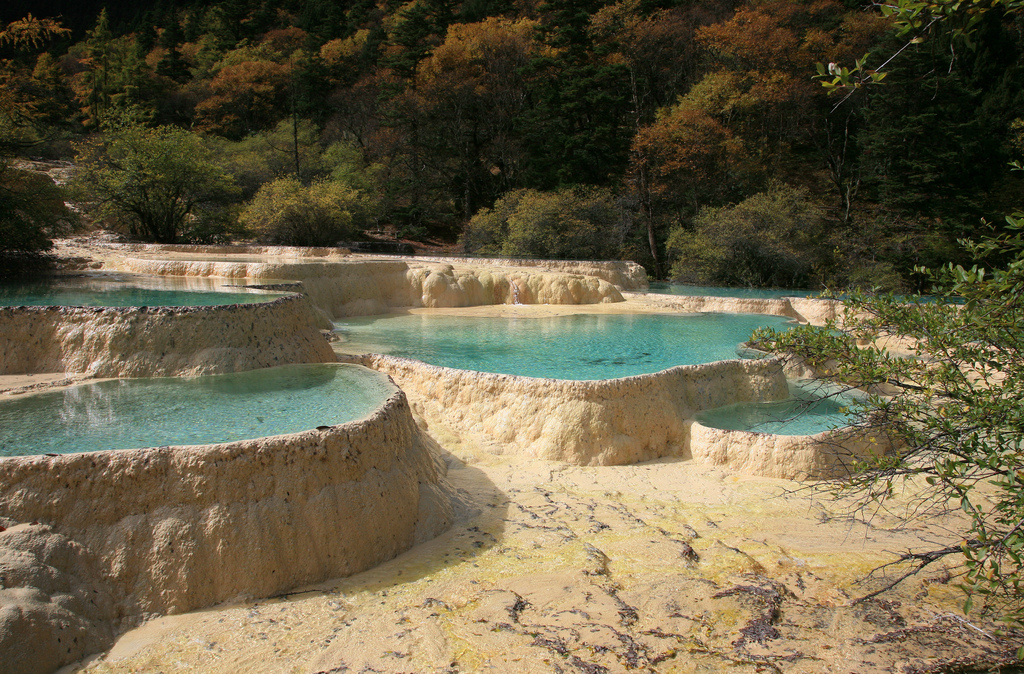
(91, 544)
(53, 610)
(367, 286)
(803, 309)
(825, 455)
(627, 420)
(587, 423)
(97, 541)
(624, 275)
(160, 341)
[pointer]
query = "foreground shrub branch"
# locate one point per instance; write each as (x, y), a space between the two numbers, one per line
(945, 378)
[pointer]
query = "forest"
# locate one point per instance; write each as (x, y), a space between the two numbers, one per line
(691, 136)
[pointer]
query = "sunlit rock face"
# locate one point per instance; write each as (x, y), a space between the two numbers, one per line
(623, 274)
(363, 287)
(627, 420)
(161, 341)
(806, 310)
(600, 422)
(266, 262)
(95, 542)
(793, 457)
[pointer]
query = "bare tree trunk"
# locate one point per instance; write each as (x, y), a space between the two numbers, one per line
(647, 208)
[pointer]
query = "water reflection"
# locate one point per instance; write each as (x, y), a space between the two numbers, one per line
(128, 413)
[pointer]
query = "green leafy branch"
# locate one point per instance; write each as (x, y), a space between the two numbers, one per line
(913, 20)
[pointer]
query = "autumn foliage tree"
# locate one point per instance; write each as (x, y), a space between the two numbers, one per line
(248, 93)
(467, 96)
(673, 106)
(678, 164)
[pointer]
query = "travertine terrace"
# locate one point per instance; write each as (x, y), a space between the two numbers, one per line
(536, 475)
(160, 341)
(95, 542)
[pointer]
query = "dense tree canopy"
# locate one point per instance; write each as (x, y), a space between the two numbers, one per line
(32, 208)
(677, 108)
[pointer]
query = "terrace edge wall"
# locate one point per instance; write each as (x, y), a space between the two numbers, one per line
(92, 543)
(161, 341)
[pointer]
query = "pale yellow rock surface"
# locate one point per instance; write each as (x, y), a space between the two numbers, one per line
(25, 383)
(170, 529)
(53, 606)
(603, 422)
(665, 566)
(361, 286)
(624, 275)
(825, 455)
(669, 565)
(160, 341)
(803, 309)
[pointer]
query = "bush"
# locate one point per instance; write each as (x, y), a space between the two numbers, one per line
(953, 412)
(572, 223)
(286, 212)
(31, 211)
(154, 184)
(767, 240)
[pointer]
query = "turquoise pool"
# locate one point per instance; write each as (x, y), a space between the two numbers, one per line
(810, 409)
(581, 346)
(130, 413)
(127, 290)
(717, 291)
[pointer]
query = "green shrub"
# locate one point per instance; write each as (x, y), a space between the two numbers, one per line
(322, 214)
(768, 239)
(265, 155)
(31, 211)
(158, 184)
(572, 223)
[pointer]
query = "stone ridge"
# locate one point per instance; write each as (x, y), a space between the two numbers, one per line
(363, 287)
(627, 420)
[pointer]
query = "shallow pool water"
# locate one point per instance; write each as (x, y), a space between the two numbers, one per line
(721, 291)
(128, 290)
(580, 346)
(810, 409)
(130, 413)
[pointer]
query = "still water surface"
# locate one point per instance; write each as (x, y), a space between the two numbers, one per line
(130, 413)
(580, 346)
(128, 290)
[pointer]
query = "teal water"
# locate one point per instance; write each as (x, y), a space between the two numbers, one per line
(127, 290)
(582, 346)
(810, 409)
(130, 413)
(716, 291)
